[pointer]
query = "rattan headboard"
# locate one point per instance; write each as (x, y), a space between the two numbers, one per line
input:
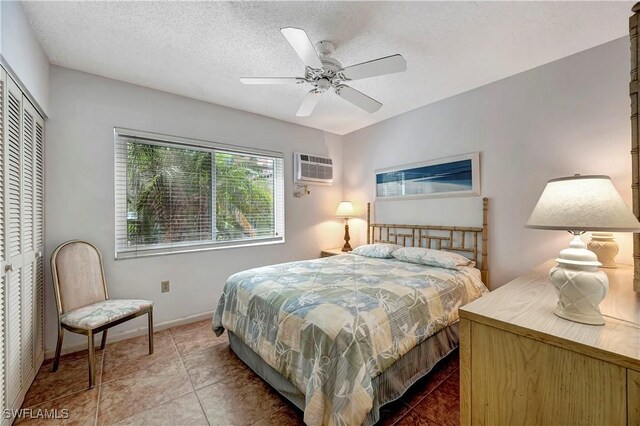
(453, 238)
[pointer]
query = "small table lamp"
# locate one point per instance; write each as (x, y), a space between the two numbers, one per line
(579, 204)
(345, 210)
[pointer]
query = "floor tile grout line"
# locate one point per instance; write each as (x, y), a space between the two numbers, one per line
(437, 423)
(168, 401)
(104, 352)
(402, 416)
(128, 374)
(451, 374)
(428, 393)
(440, 384)
(57, 397)
(189, 377)
(206, 384)
(412, 407)
(181, 357)
(408, 412)
(155, 407)
(277, 411)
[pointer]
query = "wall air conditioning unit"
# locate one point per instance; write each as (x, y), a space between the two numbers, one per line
(312, 169)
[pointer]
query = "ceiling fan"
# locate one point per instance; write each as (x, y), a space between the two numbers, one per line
(324, 73)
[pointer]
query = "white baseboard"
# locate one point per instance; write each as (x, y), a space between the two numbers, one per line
(50, 353)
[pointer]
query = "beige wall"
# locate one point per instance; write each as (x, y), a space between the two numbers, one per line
(79, 159)
(22, 51)
(569, 116)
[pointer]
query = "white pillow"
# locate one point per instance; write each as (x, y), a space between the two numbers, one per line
(379, 250)
(430, 257)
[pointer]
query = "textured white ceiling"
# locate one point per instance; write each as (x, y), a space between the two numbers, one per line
(200, 49)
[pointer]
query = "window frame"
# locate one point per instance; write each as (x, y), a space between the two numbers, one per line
(124, 135)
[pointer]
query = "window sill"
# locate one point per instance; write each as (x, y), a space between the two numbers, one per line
(164, 251)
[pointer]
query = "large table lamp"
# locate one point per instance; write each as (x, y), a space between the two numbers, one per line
(345, 210)
(579, 204)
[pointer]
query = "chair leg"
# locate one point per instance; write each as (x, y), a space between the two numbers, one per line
(92, 360)
(56, 360)
(150, 315)
(104, 339)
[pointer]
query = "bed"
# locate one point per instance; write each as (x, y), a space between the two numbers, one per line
(341, 336)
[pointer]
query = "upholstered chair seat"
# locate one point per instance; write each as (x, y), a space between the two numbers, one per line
(98, 314)
(82, 299)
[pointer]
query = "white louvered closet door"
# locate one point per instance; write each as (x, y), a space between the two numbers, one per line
(3, 281)
(13, 261)
(21, 245)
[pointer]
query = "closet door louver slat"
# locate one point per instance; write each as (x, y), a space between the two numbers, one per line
(14, 176)
(39, 309)
(13, 338)
(27, 180)
(38, 220)
(27, 322)
(29, 288)
(39, 186)
(12, 200)
(2, 139)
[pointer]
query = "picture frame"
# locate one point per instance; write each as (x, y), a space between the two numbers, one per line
(455, 176)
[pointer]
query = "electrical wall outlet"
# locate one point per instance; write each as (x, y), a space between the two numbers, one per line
(165, 286)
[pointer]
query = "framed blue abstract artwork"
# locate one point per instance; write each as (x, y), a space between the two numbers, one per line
(445, 177)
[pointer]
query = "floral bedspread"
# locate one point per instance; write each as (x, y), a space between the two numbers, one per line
(331, 325)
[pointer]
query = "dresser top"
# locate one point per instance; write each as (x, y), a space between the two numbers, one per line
(525, 306)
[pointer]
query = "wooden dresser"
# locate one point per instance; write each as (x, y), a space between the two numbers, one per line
(522, 365)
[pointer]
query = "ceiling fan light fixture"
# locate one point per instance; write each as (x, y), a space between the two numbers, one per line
(325, 48)
(323, 72)
(323, 84)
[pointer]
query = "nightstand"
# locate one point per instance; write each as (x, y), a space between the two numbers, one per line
(332, 252)
(521, 364)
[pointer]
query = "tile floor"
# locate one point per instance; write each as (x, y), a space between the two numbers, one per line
(193, 378)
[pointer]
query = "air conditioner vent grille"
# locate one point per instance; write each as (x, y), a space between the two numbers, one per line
(312, 169)
(317, 172)
(321, 160)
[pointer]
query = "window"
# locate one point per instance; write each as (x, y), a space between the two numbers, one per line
(175, 195)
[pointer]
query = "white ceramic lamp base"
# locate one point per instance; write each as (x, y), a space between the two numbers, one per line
(580, 285)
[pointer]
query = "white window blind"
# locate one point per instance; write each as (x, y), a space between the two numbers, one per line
(176, 194)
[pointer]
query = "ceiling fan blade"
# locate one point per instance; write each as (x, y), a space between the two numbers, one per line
(386, 65)
(303, 46)
(272, 80)
(359, 99)
(309, 103)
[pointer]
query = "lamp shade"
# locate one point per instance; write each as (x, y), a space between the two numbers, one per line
(345, 209)
(582, 203)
